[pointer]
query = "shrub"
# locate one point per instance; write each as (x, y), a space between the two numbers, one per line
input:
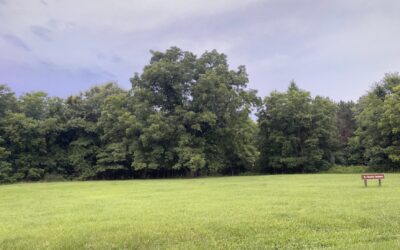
(338, 169)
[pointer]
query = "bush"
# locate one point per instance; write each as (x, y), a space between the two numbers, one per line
(338, 169)
(53, 178)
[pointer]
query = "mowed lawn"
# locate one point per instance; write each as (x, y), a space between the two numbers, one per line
(254, 212)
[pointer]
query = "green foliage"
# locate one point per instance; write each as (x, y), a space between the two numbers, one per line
(184, 116)
(345, 120)
(189, 115)
(297, 133)
(338, 169)
(346, 125)
(114, 158)
(376, 140)
(34, 105)
(5, 166)
(8, 102)
(31, 136)
(89, 126)
(390, 126)
(192, 115)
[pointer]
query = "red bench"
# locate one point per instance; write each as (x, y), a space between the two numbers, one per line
(367, 177)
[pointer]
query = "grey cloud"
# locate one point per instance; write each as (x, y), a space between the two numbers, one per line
(60, 25)
(95, 74)
(51, 77)
(336, 48)
(109, 57)
(91, 74)
(16, 41)
(70, 25)
(53, 23)
(101, 56)
(41, 32)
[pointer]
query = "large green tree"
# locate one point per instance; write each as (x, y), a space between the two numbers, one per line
(297, 132)
(6, 174)
(376, 138)
(31, 135)
(192, 115)
(82, 132)
(346, 124)
(390, 127)
(114, 156)
(8, 104)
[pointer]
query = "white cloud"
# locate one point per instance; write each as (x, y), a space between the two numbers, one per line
(118, 16)
(335, 48)
(80, 30)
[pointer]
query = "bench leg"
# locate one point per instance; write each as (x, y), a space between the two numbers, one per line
(365, 183)
(380, 183)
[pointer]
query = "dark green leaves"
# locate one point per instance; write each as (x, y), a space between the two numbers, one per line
(297, 133)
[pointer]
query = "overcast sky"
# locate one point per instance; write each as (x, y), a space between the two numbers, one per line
(331, 48)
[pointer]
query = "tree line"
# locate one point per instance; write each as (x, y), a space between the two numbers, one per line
(188, 115)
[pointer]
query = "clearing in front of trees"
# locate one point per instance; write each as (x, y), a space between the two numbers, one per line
(281, 211)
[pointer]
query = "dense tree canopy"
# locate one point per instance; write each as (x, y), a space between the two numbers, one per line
(297, 132)
(346, 125)
(376, 139)
(184, 116)
(189, 115)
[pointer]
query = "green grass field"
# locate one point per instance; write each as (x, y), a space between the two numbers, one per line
(252, 212)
